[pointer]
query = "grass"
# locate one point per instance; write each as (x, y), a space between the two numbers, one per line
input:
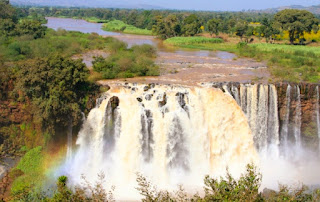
(304, 50)
(120, 26)
(176, 41)
(32, 171)
(287, 62)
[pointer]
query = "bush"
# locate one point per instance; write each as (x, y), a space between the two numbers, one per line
(127, 63)
(31, 167)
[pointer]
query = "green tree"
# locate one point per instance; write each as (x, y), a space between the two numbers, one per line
(159, 28)
(267, 30)
(241, 29)
(172, 26)
(7, 11)
(33, 28)
(191, 25)
(296, 22)
(57, 87)
(213, 26)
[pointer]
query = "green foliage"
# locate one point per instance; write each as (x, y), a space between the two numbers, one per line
(57, 86)
(60, 41)
(290, 63)
(31, 27)
(296, 22)
(168, 27)
(230, 189)
(31, 168)
(213, 26)
(118, 25)
(7, 11)
(191, 25)
(126, 63)
(192, 40)
(241, 29)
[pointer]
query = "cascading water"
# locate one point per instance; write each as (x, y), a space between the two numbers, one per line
(176, 135)
(69, 141)
(317, 114)
(297, 119)
(259, 103)
(285, 125)
(173, 135)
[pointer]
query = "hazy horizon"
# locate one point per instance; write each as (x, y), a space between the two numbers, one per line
(213, 5)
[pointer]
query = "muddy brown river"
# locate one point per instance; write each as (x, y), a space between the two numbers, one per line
(178, 66)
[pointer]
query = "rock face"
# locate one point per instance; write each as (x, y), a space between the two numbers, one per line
(308, 102)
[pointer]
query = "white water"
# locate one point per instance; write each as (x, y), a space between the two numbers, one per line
(285, 126)
(174, 136)
(69, 141)
(297, 119)
(259, 102)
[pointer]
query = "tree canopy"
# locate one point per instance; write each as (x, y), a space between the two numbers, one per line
(296, 22)
(57, 86)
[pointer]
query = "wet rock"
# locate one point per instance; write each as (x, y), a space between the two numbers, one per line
(146, 88)
(134, 89)
(139, 99)
(162, 99)
(148, 97)
(114, 102)
(180, 99)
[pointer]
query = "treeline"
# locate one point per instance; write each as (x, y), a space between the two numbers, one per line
(171, 23)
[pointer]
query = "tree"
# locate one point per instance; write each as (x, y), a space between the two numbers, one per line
(296, 22)
(241, 29)
(267, 30)
(57, 87)
(191, 25)
(159, 28)
(33, 28)
(213, 26)
(172, 26)
(7, 11)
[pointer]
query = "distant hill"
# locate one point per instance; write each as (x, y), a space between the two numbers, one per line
(313, 9)
(83, 3)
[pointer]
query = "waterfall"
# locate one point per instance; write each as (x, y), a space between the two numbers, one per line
(173, 135)
(317, 113)
(285, 125)
(260, 104)
(297, 119)
(69, 140)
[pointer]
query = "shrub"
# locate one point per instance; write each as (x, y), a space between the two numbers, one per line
(127, 63)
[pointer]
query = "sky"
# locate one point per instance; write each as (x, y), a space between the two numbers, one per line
(234, 5)
(212, 5)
